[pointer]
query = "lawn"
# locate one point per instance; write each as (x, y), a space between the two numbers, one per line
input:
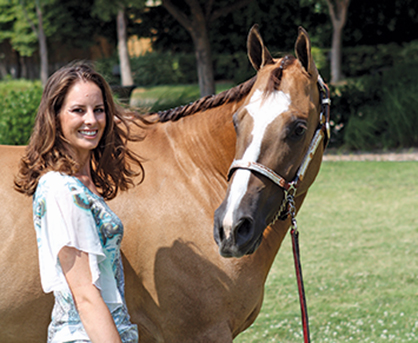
(359, 233)
(164, 97)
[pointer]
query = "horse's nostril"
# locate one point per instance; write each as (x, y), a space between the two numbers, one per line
(218, 230)
(244, 229)
(221, 233)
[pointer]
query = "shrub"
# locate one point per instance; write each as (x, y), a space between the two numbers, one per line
(163, 69)
(363, 60)
(109, 69)
(235, 67)
(20, 102)
(379, 111)
(157, 68)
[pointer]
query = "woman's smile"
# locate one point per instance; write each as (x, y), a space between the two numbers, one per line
(89, 133)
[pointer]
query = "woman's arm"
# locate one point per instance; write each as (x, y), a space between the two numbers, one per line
(93, 311)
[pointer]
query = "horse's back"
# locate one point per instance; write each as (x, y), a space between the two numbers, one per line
(21, 296)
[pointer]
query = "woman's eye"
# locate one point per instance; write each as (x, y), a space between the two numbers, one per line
(99, 110)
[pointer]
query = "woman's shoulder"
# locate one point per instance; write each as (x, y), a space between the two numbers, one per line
(56, 182)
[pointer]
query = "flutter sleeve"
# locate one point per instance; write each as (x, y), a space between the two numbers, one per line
(63, 217)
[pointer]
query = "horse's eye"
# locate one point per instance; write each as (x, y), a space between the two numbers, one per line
(298, 131)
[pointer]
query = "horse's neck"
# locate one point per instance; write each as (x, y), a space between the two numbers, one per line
(206, 139)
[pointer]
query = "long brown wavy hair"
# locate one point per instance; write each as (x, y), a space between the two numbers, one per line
(112, 163)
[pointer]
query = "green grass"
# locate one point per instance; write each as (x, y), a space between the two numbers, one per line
(358, 235)
(164, 97)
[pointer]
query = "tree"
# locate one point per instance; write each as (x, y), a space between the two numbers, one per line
(196, 18)
(107, 10)
(125, 66)
(66, 22)
(23, 25)
(338, 13)
(38, 30)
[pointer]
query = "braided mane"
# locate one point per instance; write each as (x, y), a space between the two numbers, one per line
(233, 94)
(207, 102)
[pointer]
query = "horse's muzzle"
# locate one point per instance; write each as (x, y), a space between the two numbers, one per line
(237, 240)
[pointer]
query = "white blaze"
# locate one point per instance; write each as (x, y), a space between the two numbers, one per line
(263, 112)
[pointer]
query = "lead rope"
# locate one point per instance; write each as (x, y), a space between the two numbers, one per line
(298, 269)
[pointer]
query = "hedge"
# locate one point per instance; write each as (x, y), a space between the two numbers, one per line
(378, 111)
(20, 101)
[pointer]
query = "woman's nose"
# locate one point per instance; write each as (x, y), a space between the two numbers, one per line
(90, 117)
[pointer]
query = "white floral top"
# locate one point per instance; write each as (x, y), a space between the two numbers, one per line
(67, 213)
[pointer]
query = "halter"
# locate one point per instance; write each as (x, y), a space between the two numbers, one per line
(322, 133)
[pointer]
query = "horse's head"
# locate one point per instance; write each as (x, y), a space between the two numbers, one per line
(278, 129)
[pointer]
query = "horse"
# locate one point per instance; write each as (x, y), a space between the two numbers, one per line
(190, 275)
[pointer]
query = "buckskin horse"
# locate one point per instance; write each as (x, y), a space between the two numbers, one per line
(178, 286)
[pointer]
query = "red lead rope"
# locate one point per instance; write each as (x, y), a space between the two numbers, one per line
(303, 308)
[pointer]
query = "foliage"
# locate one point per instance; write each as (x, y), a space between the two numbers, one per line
(65, 22)
(391, 121)
(20, 101)
(17, 18)
(16, 28)
(108, 68)
(377, 111)
(235, 67)
(359, 259)
(153, 69)
(362, 60)
(229, 35)
(384, 22)
(80, 27)
(163, 68)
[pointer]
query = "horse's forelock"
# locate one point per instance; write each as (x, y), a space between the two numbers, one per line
(277, 73)
(207, 102)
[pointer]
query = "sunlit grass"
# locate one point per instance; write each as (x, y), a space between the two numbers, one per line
(359, 233)
(164, 97)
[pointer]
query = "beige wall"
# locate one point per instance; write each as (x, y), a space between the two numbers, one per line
(139, 46)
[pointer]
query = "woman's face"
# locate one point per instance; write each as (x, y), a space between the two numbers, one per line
(83, 118)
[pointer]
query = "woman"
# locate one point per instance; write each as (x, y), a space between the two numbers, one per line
(76, 159)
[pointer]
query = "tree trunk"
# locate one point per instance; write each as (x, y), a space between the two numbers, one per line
(43, 49)
(336, 56)
(196, 23)
(125, 66)
(204, 61)
(23, 68)
(338, 12)
(3, 69)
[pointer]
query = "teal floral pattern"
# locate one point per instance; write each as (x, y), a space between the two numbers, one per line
(66, 213)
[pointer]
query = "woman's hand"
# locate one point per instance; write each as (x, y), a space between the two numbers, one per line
(94, 313)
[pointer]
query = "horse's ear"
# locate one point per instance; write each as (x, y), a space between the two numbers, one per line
(257, 53)
(303, 52)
